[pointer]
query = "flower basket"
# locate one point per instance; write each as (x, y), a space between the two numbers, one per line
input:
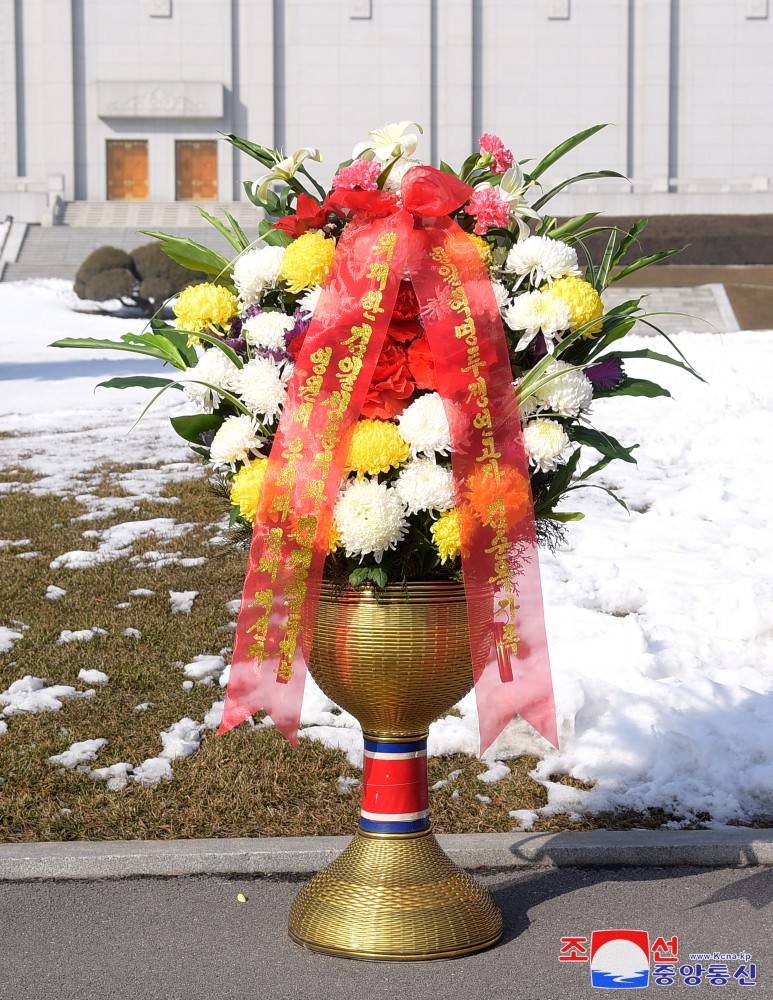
(394, 391)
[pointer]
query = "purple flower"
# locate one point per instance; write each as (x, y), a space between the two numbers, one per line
(302, 324)
(238, 344)
(535, 351)
(607, 375)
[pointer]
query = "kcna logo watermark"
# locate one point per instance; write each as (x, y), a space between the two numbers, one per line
(624, 960)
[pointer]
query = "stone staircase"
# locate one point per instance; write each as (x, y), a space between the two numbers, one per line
(151, 215)
(58, 251)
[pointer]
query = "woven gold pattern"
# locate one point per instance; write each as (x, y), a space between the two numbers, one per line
(396, 662)
(394, 898)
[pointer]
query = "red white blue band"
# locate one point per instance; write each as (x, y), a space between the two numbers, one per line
(395, 798)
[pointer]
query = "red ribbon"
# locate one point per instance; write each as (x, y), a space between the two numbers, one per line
(325, 396)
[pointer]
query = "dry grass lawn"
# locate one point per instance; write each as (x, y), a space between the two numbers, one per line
(249, 783)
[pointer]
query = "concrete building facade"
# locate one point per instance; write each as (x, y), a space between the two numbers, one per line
(124, 100)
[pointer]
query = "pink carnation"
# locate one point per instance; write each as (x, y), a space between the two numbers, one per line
(362, 174)
(489, 208)
(503, 158)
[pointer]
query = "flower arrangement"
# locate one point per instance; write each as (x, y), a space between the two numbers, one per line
(235, 340)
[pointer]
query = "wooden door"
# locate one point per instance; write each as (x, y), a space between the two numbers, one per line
(196, 170)
(127, 170)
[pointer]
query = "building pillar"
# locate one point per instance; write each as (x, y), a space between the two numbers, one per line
(651, 104)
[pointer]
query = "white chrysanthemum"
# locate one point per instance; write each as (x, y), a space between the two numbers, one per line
(398, 171)
(502, 295)
(236, 441)
(370, 517)
(267, 330)
(542, 259)
(307, 303)
(262, 386)
(256, 271)
(546, 443)
(566, 394)
(424, 485)
(213, 367)
(537, 312)
(424, 426)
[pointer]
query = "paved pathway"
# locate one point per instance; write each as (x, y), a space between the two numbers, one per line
(188, 938)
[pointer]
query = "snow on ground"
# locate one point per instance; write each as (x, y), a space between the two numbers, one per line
(35, 694)
(181, 601)
(79, 635)
(8, 636)
(93, 676)
(78, 753)
(660, 621)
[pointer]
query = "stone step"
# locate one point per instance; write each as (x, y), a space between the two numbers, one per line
(152, 215)
(58, 251)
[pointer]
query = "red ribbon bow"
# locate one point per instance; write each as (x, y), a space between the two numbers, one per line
(491, 477)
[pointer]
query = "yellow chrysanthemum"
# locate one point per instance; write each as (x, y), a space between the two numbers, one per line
(334, 538)
(482, 247)
(583, 300)
(377, 446)
(445, 535)
(307, 261)
(204, 307)
(245, 489)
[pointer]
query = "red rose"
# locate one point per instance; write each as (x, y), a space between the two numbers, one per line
(422, 365)
(404, 331)
(391, 386)
(407, 305)
(295, 345)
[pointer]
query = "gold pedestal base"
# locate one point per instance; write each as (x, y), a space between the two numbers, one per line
(394, 898)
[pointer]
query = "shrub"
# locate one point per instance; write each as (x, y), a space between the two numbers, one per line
(102, 259)
(146, 277)
(115, 283)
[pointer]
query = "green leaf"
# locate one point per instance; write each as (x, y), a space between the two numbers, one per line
(217, 342)
(602, 464)
(271, 236)
(630, 237)
(358, 576)
(262, 154)
(558, 485)
(615, 331)
(603, 272)
(137, 382)
(590, 175)
(191, 254)
(238, 231)
(665, 336)
(234, 515)
(561, 515)
(189, 426)
(222, 228)
(571, 226)
(633, 387)
(379, 576)
(653, 356)
(161, 343)
(604, 443)
(447, 169)
(180, 340)
(637, 265)
(605, 489)
(132, 347)
(563, 148)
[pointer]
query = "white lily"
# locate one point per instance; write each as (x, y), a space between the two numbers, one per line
(285, 168)
(513, 187)
(391, 140)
